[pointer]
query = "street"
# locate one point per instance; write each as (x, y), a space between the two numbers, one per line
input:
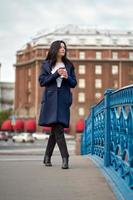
(29, 149)
(16, 145)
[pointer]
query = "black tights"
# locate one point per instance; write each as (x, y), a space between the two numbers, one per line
(57, 135)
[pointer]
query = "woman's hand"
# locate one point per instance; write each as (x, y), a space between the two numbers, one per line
(63, 72)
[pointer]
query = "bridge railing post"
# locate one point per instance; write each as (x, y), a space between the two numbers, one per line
(85, 138)
(92, 130)
(107, 127)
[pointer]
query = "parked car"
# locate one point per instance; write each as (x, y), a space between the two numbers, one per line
(11, 134)
(3, 136)
(69, 137)
(40, 136)
(23, 137)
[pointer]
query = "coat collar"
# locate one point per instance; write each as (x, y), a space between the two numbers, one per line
(48, 66)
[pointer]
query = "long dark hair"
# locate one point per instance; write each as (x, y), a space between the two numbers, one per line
(52, 54)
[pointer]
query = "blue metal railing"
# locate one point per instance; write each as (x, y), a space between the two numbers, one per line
(108, 132)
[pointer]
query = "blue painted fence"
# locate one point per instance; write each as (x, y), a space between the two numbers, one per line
(108, 132)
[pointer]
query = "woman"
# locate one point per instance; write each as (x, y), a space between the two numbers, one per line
(58, 76)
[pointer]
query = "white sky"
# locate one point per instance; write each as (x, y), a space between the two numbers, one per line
(20, 20)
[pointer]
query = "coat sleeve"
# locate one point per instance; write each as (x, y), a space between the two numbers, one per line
(72, 78)
(46, 78)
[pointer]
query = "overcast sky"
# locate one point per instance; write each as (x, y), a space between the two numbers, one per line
(20, 20)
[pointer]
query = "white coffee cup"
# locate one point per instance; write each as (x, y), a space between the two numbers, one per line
(62, 75)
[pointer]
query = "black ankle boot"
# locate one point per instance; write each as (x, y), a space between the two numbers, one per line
(47, 161)
(65, 163)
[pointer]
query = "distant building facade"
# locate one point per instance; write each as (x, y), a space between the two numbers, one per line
(0, 71)
(6, 96)
(102, 59)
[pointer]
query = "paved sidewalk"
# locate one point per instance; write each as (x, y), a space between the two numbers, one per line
(31, 180)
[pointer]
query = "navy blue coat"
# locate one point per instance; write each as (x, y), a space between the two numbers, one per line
(56, 102)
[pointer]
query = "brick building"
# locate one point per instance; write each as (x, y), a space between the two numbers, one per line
(102, 59)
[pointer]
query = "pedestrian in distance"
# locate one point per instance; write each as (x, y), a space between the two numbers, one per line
(57, 75)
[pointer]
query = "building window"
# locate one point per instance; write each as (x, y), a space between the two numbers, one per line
(82, 41)
(81, 83)
(29, 71)
(115, 84)
(39, 52)
(82, 55)
(131, 55)
(98, 55)
(98, 95)
(81, 111)
(98, 83)
(67, 40)
(49, 40)
(130, 82)
(114, 69)
(115, 41)
(81, 97)
(81, 69)
(29, 98)
(131, 71)
(98, 41)
(115, 55)
(29, 84)
(131, 41)
(46, 53)
(98, 69)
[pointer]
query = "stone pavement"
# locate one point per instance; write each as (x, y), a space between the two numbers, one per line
(31, 180)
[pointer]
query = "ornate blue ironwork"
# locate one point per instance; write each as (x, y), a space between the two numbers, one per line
(108, 132)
